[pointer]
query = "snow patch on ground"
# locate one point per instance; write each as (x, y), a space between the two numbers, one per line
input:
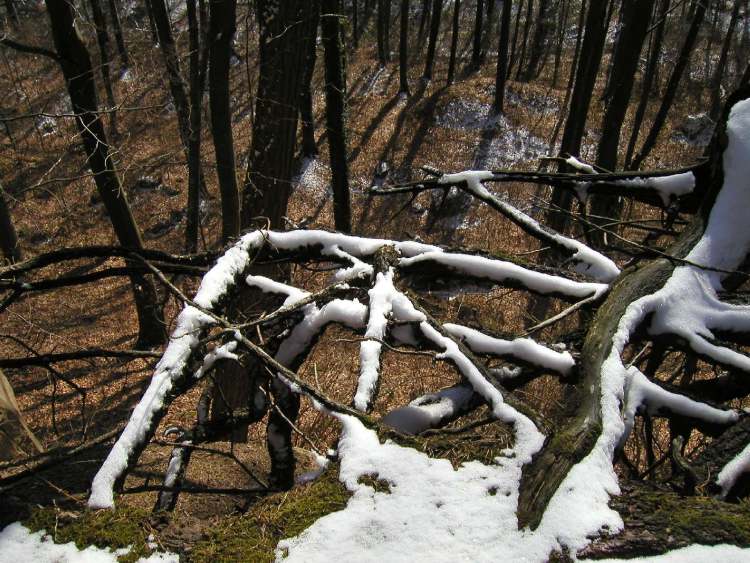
(19, 544)
(693, 554)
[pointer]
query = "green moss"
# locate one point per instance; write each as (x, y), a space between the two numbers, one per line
(113, 529)
(254, 536)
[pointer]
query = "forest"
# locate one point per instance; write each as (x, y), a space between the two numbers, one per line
(417, 280)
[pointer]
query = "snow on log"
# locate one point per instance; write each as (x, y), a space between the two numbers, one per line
(587, 260)
(525, 350)
(433, 410)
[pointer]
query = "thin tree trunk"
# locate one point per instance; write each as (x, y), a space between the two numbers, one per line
(424, 17)
(624, 67)
(437, 9)
(538, 41)
(514, 43)
(674, 81)
(454, 41)
(403, 49)
(8, 236)
(102, 40)
(197, 86)
(151, 22)
(564, 10)
(649, 78)
(12, 13)
(309, 147)
(221, 28)
(79, 77)
(588, 66)
(383, 31)
(525, 38)
(114, 14)
(335, 71)
(720, 67)
(476, 52)
(355, 23)
(502, 58)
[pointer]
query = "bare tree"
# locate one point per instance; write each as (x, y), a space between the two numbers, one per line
(335, 73)
(437, 13)
(454, 41)
(114, 14)
(8, 237)
(502, 58)
(102, 39)
(76, 66)
(403, 50)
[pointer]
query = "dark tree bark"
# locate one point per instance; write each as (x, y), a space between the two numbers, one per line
(588, 66)
(172, 64)
(197, 87)
(561, 28)
(502, 58)
(12, 13)
(355, 23)
(437, 10)
(476, 51)
(403, 49)
(282, 66)
(514, 43)
(649, 77)
(151, 22)
(384, 32)
(674, 81)
(542, 30)
(335, 71)
(8, 237)
(102, 40)
(624, 67)
(79, 77)
(114, 14)
(309, 147)
(424, 17)
(525, 38)
(454, 41)
(720, 66)
(221, 28)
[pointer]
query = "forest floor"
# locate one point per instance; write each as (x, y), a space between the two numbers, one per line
(449, 128)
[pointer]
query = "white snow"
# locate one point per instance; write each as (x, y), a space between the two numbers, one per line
(381, 299)
(669, 187)
(20, 545)
(501, 271)
(429, 410)
(524, 349)
(578, 165)
(587, 260)
(733, 470)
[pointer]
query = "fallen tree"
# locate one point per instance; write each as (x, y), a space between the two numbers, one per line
(553, 489)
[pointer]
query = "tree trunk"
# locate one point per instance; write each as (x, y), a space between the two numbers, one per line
(502, 58)
(102, 40)
(335, 71)
(383, 31)
(538, 42)
(403, 49)
(720, 67)
(437, 10)
(355, 23)
(151, 22)
(197, 86)
(114, 14)
(525, 38)
(562, 25)
(12, 13)
(282, 67)
(674, 81)
(221, 28)
(309, 147)
(424, 17)
(8, 237)
(624, 67)
(476, 51)
(649, 77)
(454, 41)
(588, 66)
(514, 43)
(79, 77)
